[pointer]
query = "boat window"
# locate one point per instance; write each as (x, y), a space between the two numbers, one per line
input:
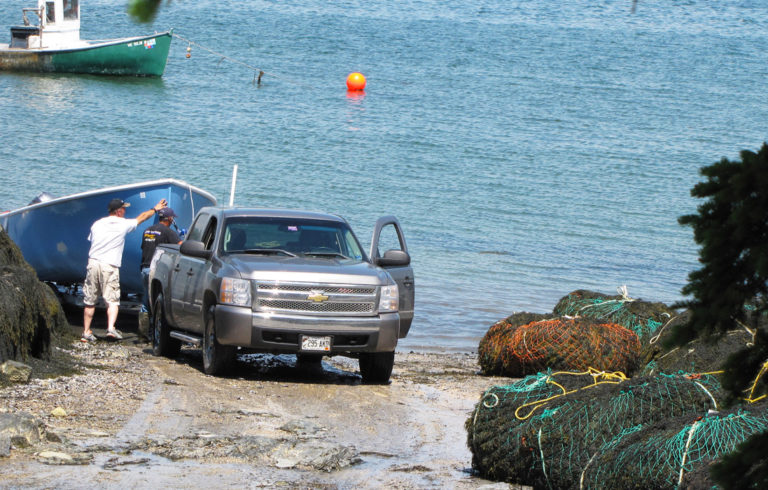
(70, 9)
(50, 12)
(38, 16)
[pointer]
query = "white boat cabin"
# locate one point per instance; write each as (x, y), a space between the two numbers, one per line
(54, 24)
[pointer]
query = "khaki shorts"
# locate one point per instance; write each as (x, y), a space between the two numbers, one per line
(101, 280)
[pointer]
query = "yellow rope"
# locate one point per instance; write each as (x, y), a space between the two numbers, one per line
(751, 398)
(751, 331)
(606, 378)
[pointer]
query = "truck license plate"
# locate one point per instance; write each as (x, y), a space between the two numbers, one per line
(322, 344)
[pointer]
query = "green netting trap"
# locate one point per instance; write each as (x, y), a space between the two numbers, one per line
(697, 356)
(544, 429)
(673, 453)
(642, 317)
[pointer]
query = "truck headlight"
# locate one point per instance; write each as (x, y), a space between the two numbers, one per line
(389, 299)
(235, 291)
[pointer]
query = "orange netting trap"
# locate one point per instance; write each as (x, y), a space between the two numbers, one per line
(561, 344)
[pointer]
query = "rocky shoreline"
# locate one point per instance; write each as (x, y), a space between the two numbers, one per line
(126, 411)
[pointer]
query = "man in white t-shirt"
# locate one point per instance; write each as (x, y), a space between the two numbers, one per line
(104, 258)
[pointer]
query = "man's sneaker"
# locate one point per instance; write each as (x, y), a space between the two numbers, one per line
(114, 334)
(88, 337)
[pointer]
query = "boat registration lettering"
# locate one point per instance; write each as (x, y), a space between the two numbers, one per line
(147, 43)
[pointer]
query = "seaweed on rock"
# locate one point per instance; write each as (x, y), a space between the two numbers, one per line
(30, 313)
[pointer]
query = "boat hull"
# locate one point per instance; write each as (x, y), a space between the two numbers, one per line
(138, 56)
(53, 235)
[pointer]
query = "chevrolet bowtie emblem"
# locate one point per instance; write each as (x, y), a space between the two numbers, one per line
(317, 296)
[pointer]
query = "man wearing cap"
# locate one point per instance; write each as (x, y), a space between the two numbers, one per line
(154, 236)
(104, 259)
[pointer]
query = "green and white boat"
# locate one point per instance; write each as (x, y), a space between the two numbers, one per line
(49, 41)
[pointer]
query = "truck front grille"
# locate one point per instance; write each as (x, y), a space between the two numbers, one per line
(316, 299)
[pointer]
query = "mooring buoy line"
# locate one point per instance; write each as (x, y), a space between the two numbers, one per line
(258, 73)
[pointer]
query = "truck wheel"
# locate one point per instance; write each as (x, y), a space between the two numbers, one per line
(162, 343)
(217, 358)
(376, 367)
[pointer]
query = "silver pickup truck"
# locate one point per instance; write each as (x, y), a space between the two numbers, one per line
(282, 282)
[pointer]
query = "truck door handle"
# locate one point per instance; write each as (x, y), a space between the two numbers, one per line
(176, 269)
(190, 272)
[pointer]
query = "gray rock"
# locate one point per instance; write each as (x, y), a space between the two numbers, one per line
(255, 446)
(302, 428)
(54, 457)
(206, 435)
(256, 413)
(60, 458)
(5, 446)
(22, 428)
(119, 353)
(15, 372)
(53, 437)
(504, 486)
(116, 462)
(143, 325)
(323, 456)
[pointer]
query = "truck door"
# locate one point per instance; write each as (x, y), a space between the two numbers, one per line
(195, 269)
(388, 236)
(182, 285)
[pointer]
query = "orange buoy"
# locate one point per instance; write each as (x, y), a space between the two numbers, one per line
(355, 81)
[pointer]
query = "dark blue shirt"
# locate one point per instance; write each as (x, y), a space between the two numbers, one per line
(154, 236)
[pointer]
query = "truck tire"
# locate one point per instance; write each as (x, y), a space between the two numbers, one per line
(376, 367)
(162, 342)
(217, 358)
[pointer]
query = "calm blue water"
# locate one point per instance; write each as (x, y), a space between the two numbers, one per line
(528, 148)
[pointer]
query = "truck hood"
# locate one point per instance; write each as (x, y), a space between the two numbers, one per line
(311, 270)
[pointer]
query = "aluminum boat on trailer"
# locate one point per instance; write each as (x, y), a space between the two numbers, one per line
(52, 233)
(49, 41)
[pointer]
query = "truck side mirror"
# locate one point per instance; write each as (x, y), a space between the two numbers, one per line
(394, 258)
(195, 248)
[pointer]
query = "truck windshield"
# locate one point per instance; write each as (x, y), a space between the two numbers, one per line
(287, 236)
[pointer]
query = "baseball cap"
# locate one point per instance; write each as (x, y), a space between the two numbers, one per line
(166, 213)
(116, 204)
